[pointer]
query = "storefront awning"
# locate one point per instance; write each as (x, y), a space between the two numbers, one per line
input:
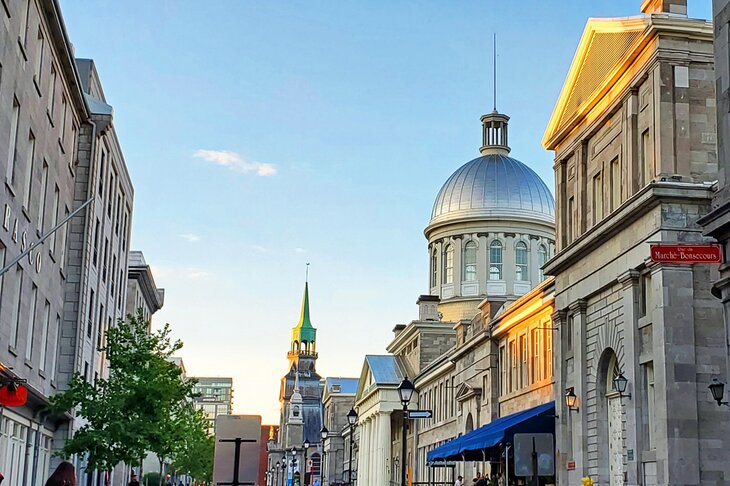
(470, 447)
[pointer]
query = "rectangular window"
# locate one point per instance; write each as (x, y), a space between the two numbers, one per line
(64, 115)
(513, 358)
(2, 265)
(104, 261)
(117, 218)
(644, 294)
(14, 119)
(86, 371)
(16, 307)
(96, 243)
(101, 171)
(502, 370)
(569, 221)
(524, 364)
(535, 338)
(31, 322)
(650, 405)
(615, 184)
(110, 196)
(42, 203)
(54, 347)
(647, 161)
(113, 275)
(597, 198)
(51, 91)
(39, 56)
(90, 318)
(24, 23)
(44, 336)
(100, 328)
(29, 171)
(54, 217)
(548, 363)
(63, 230)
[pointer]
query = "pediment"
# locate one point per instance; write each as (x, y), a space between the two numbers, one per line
(466, 391)
(605, 47)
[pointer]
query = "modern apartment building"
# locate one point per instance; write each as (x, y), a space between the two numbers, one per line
(215, 397)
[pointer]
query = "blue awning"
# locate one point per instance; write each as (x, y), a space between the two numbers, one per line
(540, 419)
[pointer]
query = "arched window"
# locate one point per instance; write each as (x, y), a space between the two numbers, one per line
(521, 261)
(542, 256)
(470, 261)
(448, 258)
(434, 269)
(495, 260)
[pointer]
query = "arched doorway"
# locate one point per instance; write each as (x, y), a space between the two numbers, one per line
(612, 411)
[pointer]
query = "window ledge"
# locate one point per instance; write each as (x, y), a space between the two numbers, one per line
(60, 145)
(24, 210)
(51, 255)
(12, 350)
(42, 374)
(644, 321)
(27, 363)
(528, 389)
(22, 48)
(37, 88)
(9, 186)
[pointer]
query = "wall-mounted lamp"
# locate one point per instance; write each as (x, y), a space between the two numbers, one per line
(717, 388)
(570, 399)
(619, 383)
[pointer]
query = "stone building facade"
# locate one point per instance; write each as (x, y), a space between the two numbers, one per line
(634, 139)
(142, 293)
(41, 111)
(337, 401)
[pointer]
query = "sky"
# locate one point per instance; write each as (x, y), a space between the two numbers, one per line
(261, 136)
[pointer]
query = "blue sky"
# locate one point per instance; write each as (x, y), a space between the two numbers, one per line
(264, 135)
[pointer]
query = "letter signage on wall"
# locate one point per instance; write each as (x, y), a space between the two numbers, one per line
(709, 253)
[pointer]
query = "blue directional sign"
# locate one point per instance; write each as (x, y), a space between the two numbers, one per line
(420, 414)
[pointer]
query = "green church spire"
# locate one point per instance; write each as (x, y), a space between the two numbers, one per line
(304, 332)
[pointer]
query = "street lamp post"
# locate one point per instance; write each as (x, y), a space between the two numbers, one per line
(306, 464)
(405, 392)
(323, 433)
(276, 475)
(283, 469)
(351, 419)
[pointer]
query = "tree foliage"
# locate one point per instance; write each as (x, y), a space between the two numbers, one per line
(131, 411)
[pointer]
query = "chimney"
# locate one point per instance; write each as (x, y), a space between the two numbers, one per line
(675, 7)
(428, 308)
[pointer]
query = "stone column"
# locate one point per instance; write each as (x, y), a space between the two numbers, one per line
(533, 268)
(482, 261)
(509, 268)
(362, 454)
(458, 245)
(675, 375)
(631, 368)
(579, 420)
(384, 444)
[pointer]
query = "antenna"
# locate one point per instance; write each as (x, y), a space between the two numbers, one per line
(495, 72)
(306, 274)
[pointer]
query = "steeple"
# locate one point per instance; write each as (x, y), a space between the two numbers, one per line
(304, 335)
(494, 125)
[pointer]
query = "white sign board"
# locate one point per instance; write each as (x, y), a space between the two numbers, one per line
(247, 430)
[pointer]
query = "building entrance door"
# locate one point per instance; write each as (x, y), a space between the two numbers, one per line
(615, 441)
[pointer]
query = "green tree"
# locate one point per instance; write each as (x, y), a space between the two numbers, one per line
(124, 413)
(194, 454)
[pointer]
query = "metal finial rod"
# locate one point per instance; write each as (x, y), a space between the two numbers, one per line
(494, 58)
(306, 274)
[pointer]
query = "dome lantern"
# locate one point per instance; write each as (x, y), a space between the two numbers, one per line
(494, 134)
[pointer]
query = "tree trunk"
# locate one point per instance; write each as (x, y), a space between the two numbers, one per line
(161, 462)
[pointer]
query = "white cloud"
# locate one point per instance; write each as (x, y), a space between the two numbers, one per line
(236, 162)
(197, 274)
(300, 250)
(259, 248)
(191, 237)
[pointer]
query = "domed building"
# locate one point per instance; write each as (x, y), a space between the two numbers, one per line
(491, 230)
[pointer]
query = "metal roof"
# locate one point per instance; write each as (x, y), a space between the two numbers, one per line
(385, 369)
(347, 385)
(493, 186)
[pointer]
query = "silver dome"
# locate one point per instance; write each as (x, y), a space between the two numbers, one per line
(493, 186)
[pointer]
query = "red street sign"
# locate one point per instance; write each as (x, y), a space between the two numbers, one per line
(686, 253)
(571, 465)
